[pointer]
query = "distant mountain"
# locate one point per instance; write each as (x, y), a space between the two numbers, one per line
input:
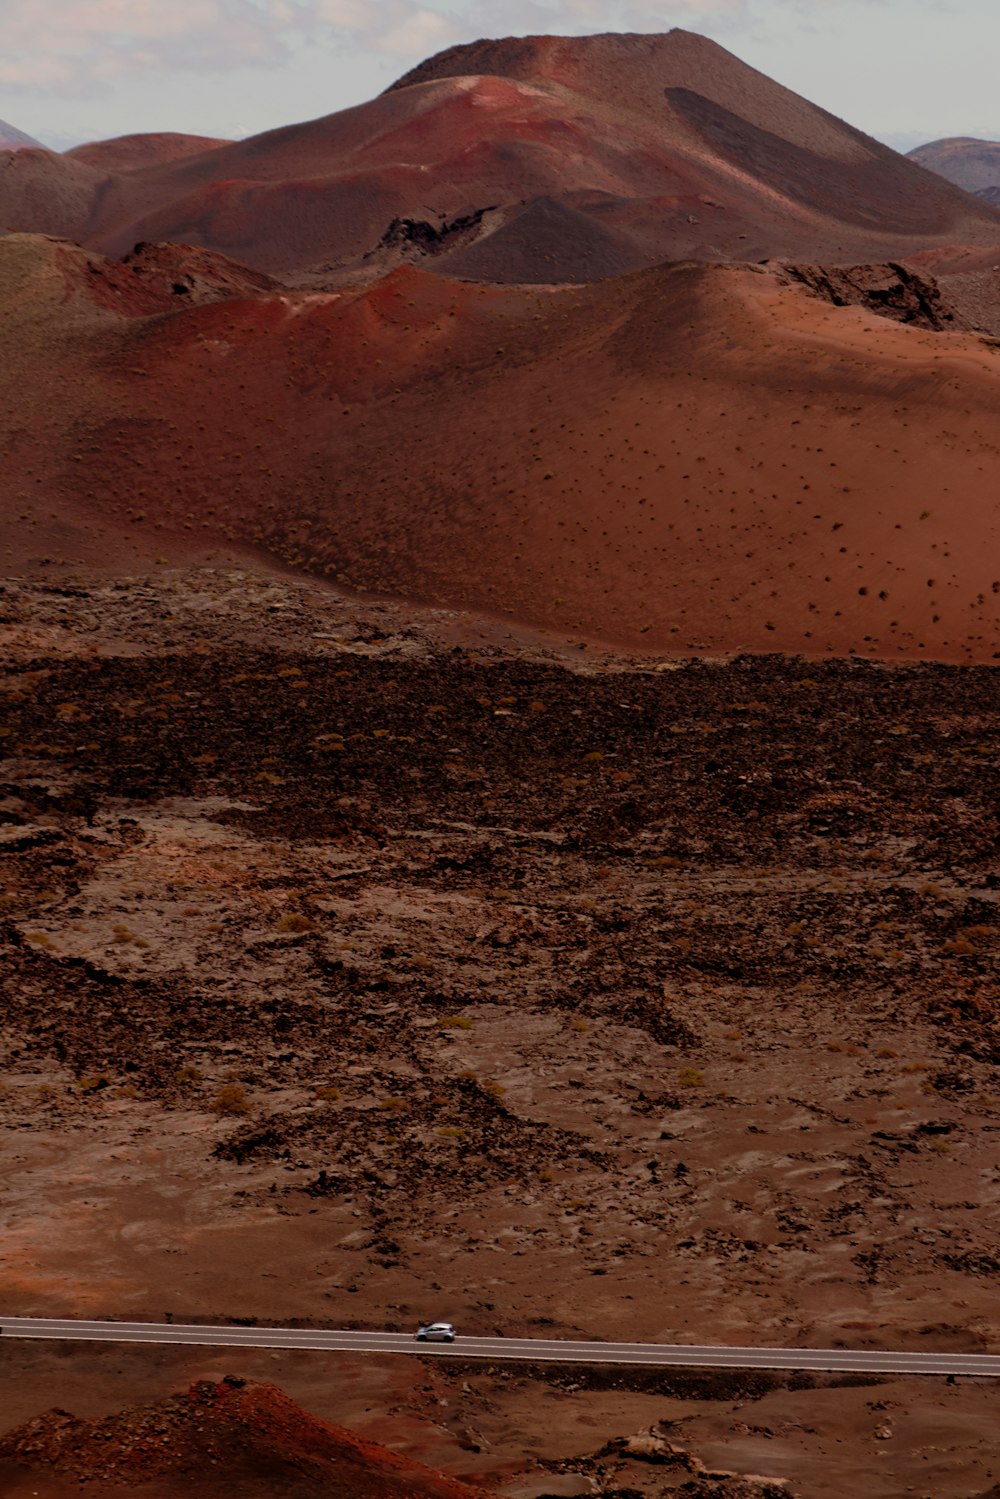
(129, 153)
(16, 140)
(530, 159)
(968, 163)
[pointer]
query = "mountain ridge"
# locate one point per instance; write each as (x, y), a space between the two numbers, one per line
(12, 139)
(668, 146)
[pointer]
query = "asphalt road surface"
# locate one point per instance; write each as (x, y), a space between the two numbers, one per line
(525, 1350)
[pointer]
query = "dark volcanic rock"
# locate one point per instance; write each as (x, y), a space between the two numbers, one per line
(890, 290)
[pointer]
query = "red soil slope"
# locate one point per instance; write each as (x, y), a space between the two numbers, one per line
(231, 1437)
(971, 164)
(129, 153)
(688, 457)
(594, 156)
(44, 193)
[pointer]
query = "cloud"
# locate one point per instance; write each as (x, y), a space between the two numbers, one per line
(642, 15)
(503, 17)
(82, 46)
(85, 46)
(402, 28)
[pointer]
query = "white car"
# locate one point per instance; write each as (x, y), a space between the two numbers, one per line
(435, 1332)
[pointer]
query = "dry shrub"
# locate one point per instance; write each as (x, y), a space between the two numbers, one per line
(231, 1100)
(295, 921)
(93, 1084)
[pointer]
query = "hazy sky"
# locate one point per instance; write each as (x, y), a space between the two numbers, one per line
(73, 70)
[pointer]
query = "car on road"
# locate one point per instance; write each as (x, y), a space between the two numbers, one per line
(435, 1332)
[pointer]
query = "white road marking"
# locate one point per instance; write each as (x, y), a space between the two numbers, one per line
(527, 1350)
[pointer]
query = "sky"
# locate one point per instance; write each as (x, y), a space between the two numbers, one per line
(905, 71)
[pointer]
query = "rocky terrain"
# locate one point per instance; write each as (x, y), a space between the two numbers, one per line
(214, 1437)
(499, 623)
(360, 966)
(216, 1434)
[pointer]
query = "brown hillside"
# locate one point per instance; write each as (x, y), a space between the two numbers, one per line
(971, 164)
(42, 192)
(667, 146)
(128, 153)
(687, 457)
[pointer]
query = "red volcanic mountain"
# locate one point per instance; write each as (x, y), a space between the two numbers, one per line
(540, 159)
(130, 153)
(15, 140)
(214, 1439)
(688, 457)
(971, 164)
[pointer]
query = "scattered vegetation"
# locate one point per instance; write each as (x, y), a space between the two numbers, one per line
(296, 921)
(231, 1100)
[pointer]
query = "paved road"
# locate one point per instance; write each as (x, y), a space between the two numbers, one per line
(526, 1350)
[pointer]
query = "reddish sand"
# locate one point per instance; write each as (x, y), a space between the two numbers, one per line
(623, 151)
(691, 457)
